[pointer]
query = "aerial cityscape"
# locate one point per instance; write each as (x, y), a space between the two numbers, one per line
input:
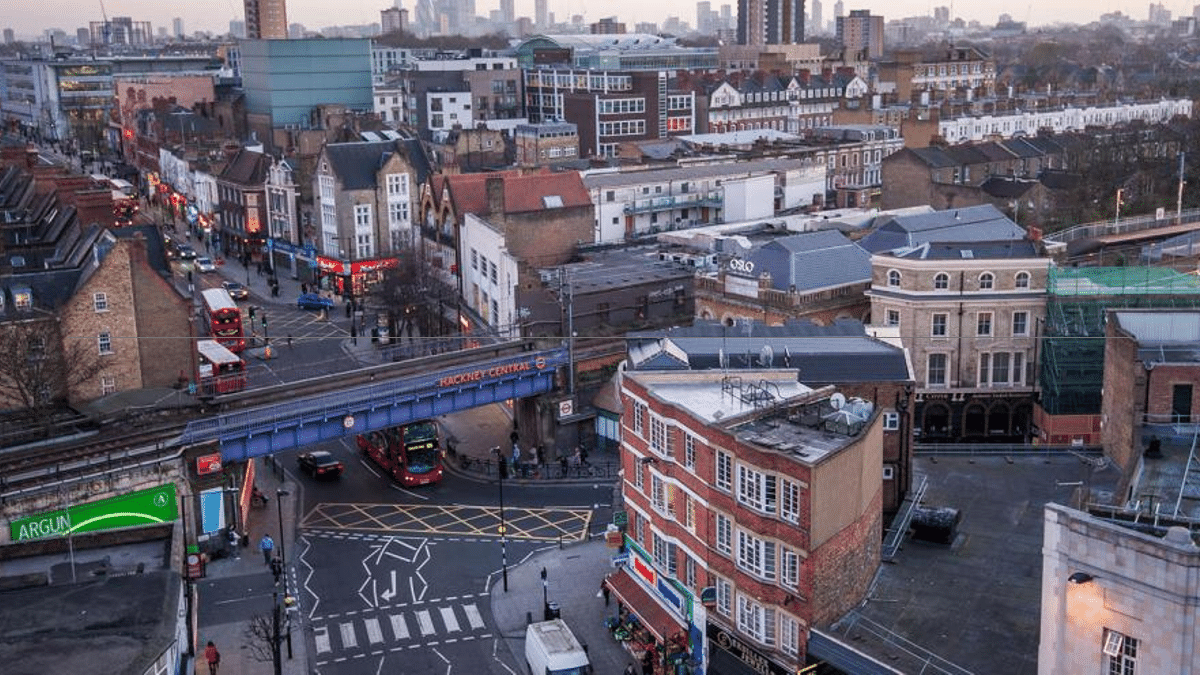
(768, 337)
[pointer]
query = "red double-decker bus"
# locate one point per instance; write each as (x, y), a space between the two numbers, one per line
(224, 319)
(218, 370)
(411, 452)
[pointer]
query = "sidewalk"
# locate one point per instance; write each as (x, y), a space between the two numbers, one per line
(573, 577)
(473, 436)
(248, 573)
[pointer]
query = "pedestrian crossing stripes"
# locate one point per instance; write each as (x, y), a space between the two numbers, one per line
(341, 637)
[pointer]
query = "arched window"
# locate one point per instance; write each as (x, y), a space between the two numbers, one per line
(941, 281)
(986, 281)
(1021, 280)
(893, 278)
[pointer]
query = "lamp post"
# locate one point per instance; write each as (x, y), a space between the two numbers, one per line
(545, 597)
(500, 471)
(280, 493)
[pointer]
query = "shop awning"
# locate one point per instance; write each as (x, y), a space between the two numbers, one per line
(662, 623)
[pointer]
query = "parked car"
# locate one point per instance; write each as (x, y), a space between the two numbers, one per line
(236, 290)
(314, 301)
(186, 252)
(320, 464)
(205, 264)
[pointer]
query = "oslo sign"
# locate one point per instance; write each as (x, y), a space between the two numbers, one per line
(144, 507)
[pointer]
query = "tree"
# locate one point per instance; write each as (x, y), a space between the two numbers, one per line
(38, 368)
(411, 294)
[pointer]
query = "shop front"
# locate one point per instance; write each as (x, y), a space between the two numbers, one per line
(657, 620)
(352, 278)
(732, 655)
(298, 262)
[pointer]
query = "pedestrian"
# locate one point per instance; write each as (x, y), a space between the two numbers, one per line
(630, 670)
(258, 269)
(276, 568)
(583, 456)
(213, 657)
(539, 455)
(648, 662)
(303, 288)
(562, 463)
(516, 456)
(267, 545)
(353, 334)
(349, 308)
(289, 342)
(605, 590)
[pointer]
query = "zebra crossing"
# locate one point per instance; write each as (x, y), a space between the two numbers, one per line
(348, 636)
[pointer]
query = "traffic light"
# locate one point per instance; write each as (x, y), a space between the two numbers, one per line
(251, 312)
(264, 320)
(502, 467)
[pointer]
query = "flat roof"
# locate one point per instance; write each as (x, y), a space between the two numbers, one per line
(692, 171)
(975, 603)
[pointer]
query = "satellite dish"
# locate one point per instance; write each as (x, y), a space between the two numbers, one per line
(766, 355)
(837, 400)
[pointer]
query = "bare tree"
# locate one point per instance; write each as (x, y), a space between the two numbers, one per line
(411, 294)
(38, 368)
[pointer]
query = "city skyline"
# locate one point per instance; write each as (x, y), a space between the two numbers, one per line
(317, 14)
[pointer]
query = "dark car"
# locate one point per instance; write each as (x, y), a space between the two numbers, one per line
(187, 252)
(321, 464)
(313, 301)
(236, 290)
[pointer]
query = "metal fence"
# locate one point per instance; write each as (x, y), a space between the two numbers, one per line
(489, 468)
(1002, 449)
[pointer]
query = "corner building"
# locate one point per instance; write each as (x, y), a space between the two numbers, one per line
(751, 492)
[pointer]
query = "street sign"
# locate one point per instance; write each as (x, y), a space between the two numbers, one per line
(620, 518)
(620, 559)
(614, 539)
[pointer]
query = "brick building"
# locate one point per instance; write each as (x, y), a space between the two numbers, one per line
(242, 203)
(757, 494)
(1152, 358)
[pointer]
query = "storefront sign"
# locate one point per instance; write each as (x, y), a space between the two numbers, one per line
(668, 594)
(644, 570)
(208, 464)
(156, 505)
(744, 652)
(330, 265)
(495, 371)
(741, 266)
(620, 559)
(356, 267)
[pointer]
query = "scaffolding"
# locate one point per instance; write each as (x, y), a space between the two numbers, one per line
(1072, 359)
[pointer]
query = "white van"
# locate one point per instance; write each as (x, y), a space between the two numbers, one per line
(551, 649)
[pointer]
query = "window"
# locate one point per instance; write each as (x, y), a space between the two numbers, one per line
(889, 472)
(689, 512)
(724, 471)
(790, 572)
(658, 435)
(1018, 368)
(1000, 368)
(724, 591)
(689, 573)
(492, 271)
(660, 550)
(639, 473)
(639, 528)
(100, 302)
(983, 324)
(938, 329)
(1021, 280)
(986, 281)
(935, 375)
(724, 534)
(893, 317)
(1121, 651)
(639, 418)
(891, 421)
(104, 342)
(658, 493)
(689, 451)
(789, 635)
(756, 620)
(893, 278)
(108, 385)
(1020, 324)
(942, 281)
(789, 508)
(756, 556)
(756, 489)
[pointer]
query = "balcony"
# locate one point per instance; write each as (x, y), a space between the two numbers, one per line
(714, 199)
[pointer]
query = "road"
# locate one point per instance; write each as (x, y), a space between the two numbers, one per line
(395, 580)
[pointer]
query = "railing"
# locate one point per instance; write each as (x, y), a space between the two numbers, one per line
(930, 662)
(681, 201)
(895, 534)
(1134, 224)
(488, 468)
(999, 449)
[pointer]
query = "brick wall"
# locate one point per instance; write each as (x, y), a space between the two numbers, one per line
(550, 237)
(843, 566)
(164, 325)
(82, 325)
(1162, 390)
(1124, 394)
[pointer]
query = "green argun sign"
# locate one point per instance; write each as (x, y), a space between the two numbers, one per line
(144, 507)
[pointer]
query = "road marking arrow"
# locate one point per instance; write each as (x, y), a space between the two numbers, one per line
(391, 592)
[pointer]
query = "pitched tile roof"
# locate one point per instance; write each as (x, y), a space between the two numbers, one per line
(247, 168)
(522, 192)
(815, 260)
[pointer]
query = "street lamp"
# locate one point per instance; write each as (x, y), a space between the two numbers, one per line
(545, 598)
(280, 493)
(501, 469)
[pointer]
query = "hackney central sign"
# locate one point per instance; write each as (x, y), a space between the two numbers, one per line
(144, 507)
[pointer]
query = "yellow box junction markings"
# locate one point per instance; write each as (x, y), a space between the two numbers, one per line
(542, 524)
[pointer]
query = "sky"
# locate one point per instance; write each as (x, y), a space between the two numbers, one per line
(29, 19)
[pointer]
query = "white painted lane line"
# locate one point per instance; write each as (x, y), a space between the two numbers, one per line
(449, 619)
(426, 622)
(321, 637)
(473, 616)
(374, 632)
(399, 626)
(349, 639)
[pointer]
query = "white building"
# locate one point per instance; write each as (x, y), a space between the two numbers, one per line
(1028, 123)
(445, 109)
(489, 276)
(634, 203)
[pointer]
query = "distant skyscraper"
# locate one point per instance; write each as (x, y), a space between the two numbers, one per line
(266, 19)
(941, 15)
(389, 20)
(237, 28)
(727, 16)
(508, 12)
(770, 22)
(83, 36)
(541, 12)
(9, 36)
(177, 27)
(861, 34)
(704, 18)
(815, 26)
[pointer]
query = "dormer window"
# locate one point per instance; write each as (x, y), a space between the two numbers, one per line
(893, 278)
(23, 298)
